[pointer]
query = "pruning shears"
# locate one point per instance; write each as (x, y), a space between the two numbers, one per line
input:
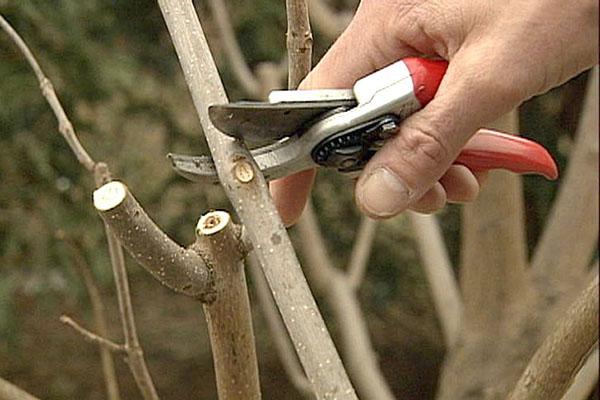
(297, 130)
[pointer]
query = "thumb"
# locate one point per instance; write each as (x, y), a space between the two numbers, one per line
(412, 162)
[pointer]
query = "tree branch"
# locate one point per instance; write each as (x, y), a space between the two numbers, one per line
(556, 362)
(8, 391)
(179, 269)
(586, 379)
(281, 340)
(299, 41)
(228, 316)
(92, 337)
(99, 316)
(256, 210)
(359, 355)
(64, 125)
(235, 57)
(440, 275)
(571, 234)
(361, 250)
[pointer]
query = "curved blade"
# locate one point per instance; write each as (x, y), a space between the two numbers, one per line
(258, 122)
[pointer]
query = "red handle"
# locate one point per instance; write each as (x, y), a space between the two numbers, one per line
(487, 149)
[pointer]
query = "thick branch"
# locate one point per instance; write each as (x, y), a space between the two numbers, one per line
(234, 54)
(440, 275)
(8, 391)
(179, 269)
(258, 214)
(570, 238)
(556, 362)
(299, 41)
(64, 125)
(281, 340)
(361, 250)
(228, 316)
(359, 355)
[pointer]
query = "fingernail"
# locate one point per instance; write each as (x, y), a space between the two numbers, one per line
(382, 194)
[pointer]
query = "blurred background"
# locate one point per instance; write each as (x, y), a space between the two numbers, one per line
(115, 70)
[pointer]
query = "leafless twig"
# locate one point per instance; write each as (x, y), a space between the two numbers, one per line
(440, 275)
(64, 125)
(299, 41)
(92, 337)
(99, 316)
(101, 175)
(361, 250)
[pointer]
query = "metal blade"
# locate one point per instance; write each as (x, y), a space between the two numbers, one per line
(257, 122)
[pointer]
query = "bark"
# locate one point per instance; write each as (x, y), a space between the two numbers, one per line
(586, 379)
(570, 238)
(254, 206)
(556, 362)
(228, 316)
(359, 355)
(8, 391)
(179, 269)
(299, 41)
(440, 275)
(279, 336)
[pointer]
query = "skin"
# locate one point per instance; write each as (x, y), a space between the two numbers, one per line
(500, 54)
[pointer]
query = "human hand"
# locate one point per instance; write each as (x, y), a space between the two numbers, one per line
(500, 53)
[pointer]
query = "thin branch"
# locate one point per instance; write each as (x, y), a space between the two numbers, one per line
(254, 206)
(299, 41)
(359, 355)
(64, 125)
(440, 275)
(361, 250)
(556, 362)
(281, 340)
(135, 355)
(571, 235)
(8, 391)
(92, 337)
(180, 269)
(235, 57)
(228, 316)
(99, 316)
(586, 379)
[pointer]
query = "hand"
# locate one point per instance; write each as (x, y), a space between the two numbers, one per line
(500, 53)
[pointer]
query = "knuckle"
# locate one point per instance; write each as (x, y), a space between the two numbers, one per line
(423, 147)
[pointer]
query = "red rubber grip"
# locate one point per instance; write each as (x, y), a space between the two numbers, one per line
(487, 149)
